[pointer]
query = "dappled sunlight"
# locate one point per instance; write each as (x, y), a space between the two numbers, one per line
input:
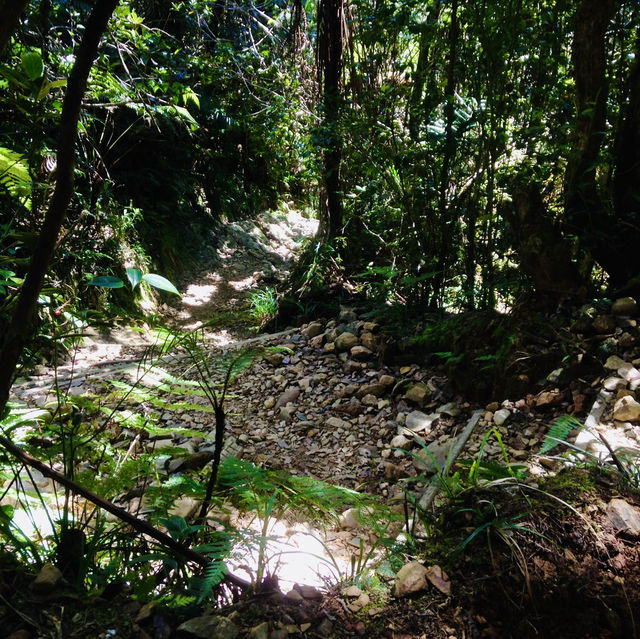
(295, 553)
(199, 294)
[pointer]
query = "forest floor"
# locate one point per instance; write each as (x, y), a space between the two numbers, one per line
(517, 543)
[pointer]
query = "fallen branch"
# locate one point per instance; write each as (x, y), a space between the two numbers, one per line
(139, 525)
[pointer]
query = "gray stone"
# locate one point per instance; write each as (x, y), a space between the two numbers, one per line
(624, 517)
(412, 577)
(419, 422)
(400, 441)
(433, 458)
(450, 408)
(624, 306)
(210, 627)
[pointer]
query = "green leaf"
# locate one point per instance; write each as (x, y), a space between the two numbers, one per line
(46, 88)
(161, 283)
(107, 281)
(135, 276)
(33, 65)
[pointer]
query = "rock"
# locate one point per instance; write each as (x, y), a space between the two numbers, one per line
(210, 627)
(146, 611)
(624, 517)
(370, 327)
(549, 398)
(20, 634)
(370, 341)
(184, 507)
(501, 416)
(270, 402)
(604, 324)
(613, 383)
(614, 363)
(377, 390)
(492, 407)
(312, 330)
(361, 353)
(439, 579)
(626, 409)
(336, 422)
(417, 394)
(361, 602)
(387, 380)
(317, 341)
(260, 631)
(345, 342)
(309, 592)
(624, 306)
(419, 422)
(412, 577)
(432, 458)
(274, 358)
(294, 595)
(329, 348)
(352, 591)
(47, 579)
(629, 372)
(451, 408)
(400, 441)
(288, 397)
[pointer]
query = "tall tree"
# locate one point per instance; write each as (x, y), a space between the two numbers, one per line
(330, 46)
(16, 334)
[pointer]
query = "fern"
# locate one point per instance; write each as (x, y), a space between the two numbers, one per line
(213, 575)
(14, 173)
(559, 432)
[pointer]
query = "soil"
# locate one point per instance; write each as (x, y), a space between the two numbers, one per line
(538, 559)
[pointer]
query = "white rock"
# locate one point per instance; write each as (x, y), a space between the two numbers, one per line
(501, 416)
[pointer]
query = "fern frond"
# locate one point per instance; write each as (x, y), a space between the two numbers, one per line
(214, 573)
(559, 432)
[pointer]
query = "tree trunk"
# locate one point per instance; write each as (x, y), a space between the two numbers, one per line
(330, 50)
(19, 330)
(584, 210)
(544, 254)
(10, 12)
